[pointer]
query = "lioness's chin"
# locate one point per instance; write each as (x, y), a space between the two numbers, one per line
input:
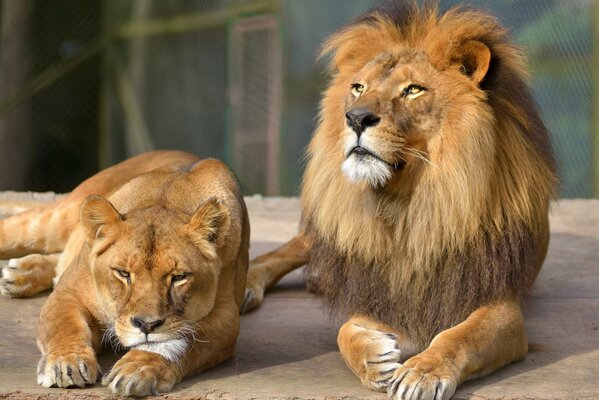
(173, 350)
(367, 169)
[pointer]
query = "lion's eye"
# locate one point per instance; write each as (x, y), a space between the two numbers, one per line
(179, 279)
(357, 89)
(412, 91)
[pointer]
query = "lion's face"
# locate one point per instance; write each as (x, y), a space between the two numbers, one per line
(156, 273)
(394, 105)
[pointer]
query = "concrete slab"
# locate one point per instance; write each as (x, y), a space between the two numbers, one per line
(287, 347)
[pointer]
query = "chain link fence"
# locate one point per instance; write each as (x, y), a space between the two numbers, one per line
(86, 84)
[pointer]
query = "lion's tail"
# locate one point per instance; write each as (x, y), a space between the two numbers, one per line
(43, 230)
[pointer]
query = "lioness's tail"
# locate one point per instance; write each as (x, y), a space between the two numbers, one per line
(42, 230)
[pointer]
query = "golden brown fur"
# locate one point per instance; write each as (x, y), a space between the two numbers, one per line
(158, 269)
(437, 226)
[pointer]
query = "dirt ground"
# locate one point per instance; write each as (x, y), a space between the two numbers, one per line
(287, 348)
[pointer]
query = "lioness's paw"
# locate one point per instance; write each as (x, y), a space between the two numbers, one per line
(14, 281)
(141, 373)
(26, 276)
(68, 370)
(411, 383)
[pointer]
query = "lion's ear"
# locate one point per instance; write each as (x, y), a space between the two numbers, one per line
(475, 59)
(208, 226)
(96, 214)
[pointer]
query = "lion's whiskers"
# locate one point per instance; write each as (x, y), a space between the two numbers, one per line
(421, 155)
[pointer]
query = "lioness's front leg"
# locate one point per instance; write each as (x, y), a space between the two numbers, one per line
(373, 351)
(491, 337)
(143, 373)
(67, 338)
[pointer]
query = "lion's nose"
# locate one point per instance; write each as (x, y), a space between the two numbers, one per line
(145, 325)
(361, 118)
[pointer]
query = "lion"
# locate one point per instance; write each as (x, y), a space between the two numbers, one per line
(155, 260)
(424, 201)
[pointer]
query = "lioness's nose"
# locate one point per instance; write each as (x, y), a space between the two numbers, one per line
(361, 118)
(145, 325)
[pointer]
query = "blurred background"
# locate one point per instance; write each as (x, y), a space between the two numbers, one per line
(85, 84)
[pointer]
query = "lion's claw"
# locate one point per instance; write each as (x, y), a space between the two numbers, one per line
(382, 363)
(412, 384)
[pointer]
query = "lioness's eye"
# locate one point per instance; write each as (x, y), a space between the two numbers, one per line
(412, 90)
(123, 273)
(357, 89)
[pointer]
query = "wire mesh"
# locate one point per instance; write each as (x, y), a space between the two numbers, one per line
(87, 84)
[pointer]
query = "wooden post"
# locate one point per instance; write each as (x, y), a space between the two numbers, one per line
(15, 140)
(104, 138)
(595, 69)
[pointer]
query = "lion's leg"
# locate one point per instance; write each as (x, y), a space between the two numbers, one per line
(265, 271)
(491, 337)
(373, 351)
(67, 338)
(29, 275)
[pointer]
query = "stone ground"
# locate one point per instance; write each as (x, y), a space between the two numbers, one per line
(287, 348)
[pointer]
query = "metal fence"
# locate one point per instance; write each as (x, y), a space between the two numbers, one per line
(87, 84)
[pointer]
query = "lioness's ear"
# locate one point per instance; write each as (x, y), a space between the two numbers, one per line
(96, 213)
(208, 226)
(475, 59)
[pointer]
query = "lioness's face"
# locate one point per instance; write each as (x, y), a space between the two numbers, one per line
(156, 275)
(394, 105)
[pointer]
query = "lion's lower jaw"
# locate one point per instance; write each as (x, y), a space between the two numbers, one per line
(172, 350)
(367, 169)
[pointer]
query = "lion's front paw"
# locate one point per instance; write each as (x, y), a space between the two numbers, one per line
(140, 373)
(373, 355)
(76, 369)
(382, 359)
(421, 381)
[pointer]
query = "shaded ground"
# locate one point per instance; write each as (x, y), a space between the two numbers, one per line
(287, 347)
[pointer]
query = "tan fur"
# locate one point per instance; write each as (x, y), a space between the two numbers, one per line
(159, 268)
(442, 245)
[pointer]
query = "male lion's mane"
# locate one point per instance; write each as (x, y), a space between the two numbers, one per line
(461, 233)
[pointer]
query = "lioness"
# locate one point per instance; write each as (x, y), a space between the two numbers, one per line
(158, 264)
(425, 199)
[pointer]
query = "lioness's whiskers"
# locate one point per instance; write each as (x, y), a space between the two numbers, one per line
(189, 330)
(110, 336)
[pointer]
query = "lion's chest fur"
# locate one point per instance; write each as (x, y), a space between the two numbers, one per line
(424, 299)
